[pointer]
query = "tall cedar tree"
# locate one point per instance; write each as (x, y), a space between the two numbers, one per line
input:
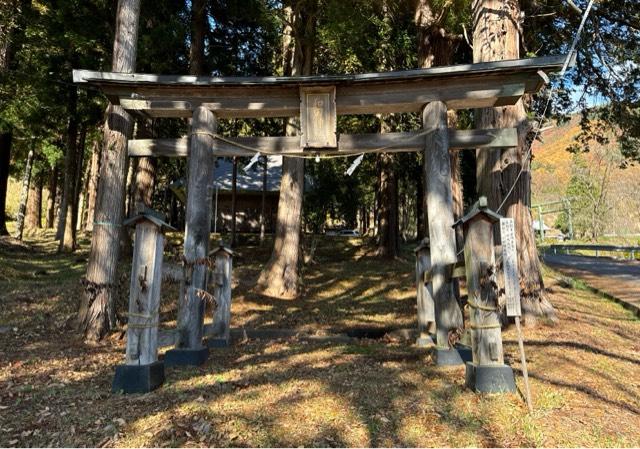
(97, 315)
(496, 36)
(388, 180)
(280, 277)
(8, 13)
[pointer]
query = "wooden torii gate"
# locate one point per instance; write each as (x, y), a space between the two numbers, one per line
(317, 101)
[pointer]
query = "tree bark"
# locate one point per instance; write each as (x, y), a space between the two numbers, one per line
(24, 194)
(33, 217)
(265, 161)
(496, 37)
(234, 199)
(5, 160)
(9, 15)
(97, 314)
(84, 196)
(388, 228)
(198, 28)
(280, 277)
(92, 190)
(421, 230)
(64, 232)
(145, 172)
(388, 192)
(52, 188)
(77, 197)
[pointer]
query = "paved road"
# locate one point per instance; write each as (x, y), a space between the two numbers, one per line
(618, 278)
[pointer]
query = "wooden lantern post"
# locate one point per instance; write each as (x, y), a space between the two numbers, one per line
(424, 293)
(448, 316)
(190, 349)
(487, 373)
(221, 335)
(142, 371)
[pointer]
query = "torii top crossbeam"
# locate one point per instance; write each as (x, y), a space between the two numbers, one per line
(319, 99)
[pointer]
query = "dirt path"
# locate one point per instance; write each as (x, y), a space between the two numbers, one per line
(55, 390)
(617, 278)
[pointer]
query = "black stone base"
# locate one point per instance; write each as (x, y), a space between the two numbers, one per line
(186, 357)
(465, 353)
(451, 357)
(490, 378)
(218, 342)
(138, 378)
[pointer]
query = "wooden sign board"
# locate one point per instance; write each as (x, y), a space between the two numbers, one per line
(318, 117)
(510, 266)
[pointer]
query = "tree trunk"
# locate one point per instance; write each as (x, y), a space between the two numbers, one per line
(9, 11)
(145, 183)
(84, 196)
(265, 167)
(33, 217)
(5, 160)
(280, 277)
(52, 188)
(24, 194)
(388, 191)
(130, 185)
(97, 314)
(496, 37)
(198, 28)
(77, 197)
(388, 227)
(64, 232)
(92, 190)
(145, 172)
(234, 199)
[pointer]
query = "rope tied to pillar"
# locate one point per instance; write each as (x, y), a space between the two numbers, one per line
(94, 287)
(207, 297)
(142, 325)
(207, 261)
(485, 326)
(140, 315)
(107, 223)
(475, 305)
(204, 133)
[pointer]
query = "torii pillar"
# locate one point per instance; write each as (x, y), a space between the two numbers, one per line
(442, 238)
(190, 349)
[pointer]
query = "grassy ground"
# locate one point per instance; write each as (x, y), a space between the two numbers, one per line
(55, 390)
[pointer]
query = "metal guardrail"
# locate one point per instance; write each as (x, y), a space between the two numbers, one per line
(567, 249)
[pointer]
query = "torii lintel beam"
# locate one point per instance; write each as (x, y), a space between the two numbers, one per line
(463, 86)
(348, 144)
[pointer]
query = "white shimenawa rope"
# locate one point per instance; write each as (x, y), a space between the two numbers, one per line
(318, 153)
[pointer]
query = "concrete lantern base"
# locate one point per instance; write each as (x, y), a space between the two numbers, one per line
(490, 378)
(186, 357)
(138, 378)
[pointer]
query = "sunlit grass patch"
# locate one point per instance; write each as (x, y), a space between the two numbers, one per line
(291, 392)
